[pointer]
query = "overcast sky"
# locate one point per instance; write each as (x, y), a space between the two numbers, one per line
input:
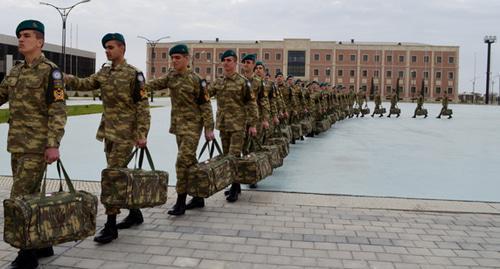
(462, 23)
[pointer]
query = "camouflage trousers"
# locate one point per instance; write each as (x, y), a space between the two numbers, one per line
(186, 157)
(232, 142)
(116, 155)
(27, 172)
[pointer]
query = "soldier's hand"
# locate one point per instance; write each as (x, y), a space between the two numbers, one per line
(305, 110)
(286, 114)
(51, 155)
(252, 131)
(265, 124)
(209, 135)
(276, 121)
(141, 143)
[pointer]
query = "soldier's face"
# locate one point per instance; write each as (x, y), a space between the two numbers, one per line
(229, 64)
(248, 66)
(259, 70)
(290, 81)
(114, 50)
(28, 42)
(279, 79)
(180, 61)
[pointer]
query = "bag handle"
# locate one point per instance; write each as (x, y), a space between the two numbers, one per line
(210, 148)
(148, 156)
(60, 168)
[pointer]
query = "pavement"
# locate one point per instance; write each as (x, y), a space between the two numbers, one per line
(292, 230)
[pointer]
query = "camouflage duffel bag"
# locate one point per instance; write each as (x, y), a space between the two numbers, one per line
(134, 188)
(253, 167)
(395, 111)
(274, 154)
(282, 143)
(355, 110)
(296, 130)
(306, 126)
(286, 131)
(447, 112)
(333, 118)
(422, 112)
(380, 110)
(365, 111)
(322, 126)
(215, 174)
(42, 220)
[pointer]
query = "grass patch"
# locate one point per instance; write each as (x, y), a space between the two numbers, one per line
(72, 111)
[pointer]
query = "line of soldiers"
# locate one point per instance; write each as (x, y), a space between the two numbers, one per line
(248, 105)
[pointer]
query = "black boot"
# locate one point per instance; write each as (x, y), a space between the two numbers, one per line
(196, 202)
(44, 252)
(233, 192)
(180, 206)
(253, 186)
(26, 259)
(109, 232)
(226, 193)
(134, 218)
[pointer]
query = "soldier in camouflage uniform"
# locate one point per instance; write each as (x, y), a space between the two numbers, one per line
(280, 93)
(394, 103)
(378, 104)
(420, 105)
(124, 122)
(444, 102)
(269, 88)
(236, 110)
(191, 112)
(35, 92)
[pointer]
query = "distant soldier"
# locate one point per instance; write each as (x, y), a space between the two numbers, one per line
(236, 110)
(394, 103)
(270, 89)
(378, 105)
(420, 106)
(444, 109)
(124, 122)
(191, 113)
(35, 92)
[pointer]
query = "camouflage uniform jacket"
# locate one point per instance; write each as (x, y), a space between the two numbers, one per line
(191, 108)
(269, 87)
(444, 102)
(394, 100)
(36, 104)
(290, 95)
(420, 100)
(126, 116)
(236, 104)
(378, 100)
(261, 93)
(281, 99)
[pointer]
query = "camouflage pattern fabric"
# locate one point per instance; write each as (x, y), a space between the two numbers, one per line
(126, 116)
(306, 125)
(322, 126)
(296, 130)
(232, 142)
(116, 156)
(35, 93)
(275, 155)
(282, 142)
(395, 111)
(253, 167)
(186, 157)
(261, 93)
(27, 171)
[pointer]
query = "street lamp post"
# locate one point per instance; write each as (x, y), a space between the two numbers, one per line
(152, 44)
(488, 40)
(64, 12)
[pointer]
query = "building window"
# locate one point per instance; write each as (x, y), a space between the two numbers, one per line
(328, 57)
(220, 55)
(377, 58)
(266, 56)
(426, 74)
(401, 74)
(413, 89)
(451, 60)
(164, 55)
(197, 70)
(197, 55)
(153, 69)
(278, 56)
(438, 90)
(340, 73)
(209, 70)
(297, 63)
(328, 72)
(413, 74)
(278, 70)
(365, 58)
(341, 57)
(389, 58)
(388, 74)
(401, 58)
(164, 69)
(316, 72)
(388, 89)
(209, 56)
(153, 55)
(426, 59)
(450, 75)
(413, 59)
(450, 90)
(219, 70)
(439, 59)
(376, 73)
(316, 57)
(352, 73)
(365, 73)
(438, 75)
(353, 57)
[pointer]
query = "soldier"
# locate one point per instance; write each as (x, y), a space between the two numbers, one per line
(191, 112)
(236, 109)
(444, 102)
(394, 102)
(280, 90)
(124, 122)
(269, 89)
(35, 92)
(420, 104)
(378, 104)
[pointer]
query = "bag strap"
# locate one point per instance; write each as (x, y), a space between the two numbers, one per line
(210, 148)
(60, 168)
(206, 146)
(130, 157)
(148, 156)
(215, 145)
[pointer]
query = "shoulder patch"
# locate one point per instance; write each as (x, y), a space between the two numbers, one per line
(55, 91)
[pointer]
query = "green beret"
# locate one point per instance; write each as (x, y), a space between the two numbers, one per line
(251, 57)
(289, 76)
(228, 53)
(278, 74)
(259, 63)
(179, 49)
(30, 25)
(112, 36)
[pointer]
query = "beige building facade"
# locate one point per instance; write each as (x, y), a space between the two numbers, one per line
(351, 64)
